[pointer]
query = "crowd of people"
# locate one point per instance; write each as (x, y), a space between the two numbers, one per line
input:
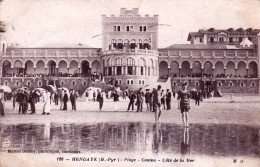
(155, 100)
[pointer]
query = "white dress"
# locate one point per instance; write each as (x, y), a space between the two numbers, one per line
(47, 103)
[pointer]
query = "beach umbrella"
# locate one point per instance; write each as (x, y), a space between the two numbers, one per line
(50, 88)
(6, 88)
(40, 90)
(193, 89)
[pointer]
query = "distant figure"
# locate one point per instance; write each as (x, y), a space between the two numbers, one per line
(65, 100)
(163, 99)
(33, 100)
(15, 104)
(19, 100)
(2, 99)
(184, 96)
(94, 95)
(47, 103)
(56, 98)
(116, 100)
(147, 99)
(157, 103)
(132, 100)
(86, 95)
(139, 101)
(168, 99)
(173, 94)
(61, 99)
(100, 99)
(197, 97)
(73, 98)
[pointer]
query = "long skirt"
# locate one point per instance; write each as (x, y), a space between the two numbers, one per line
(2, 110)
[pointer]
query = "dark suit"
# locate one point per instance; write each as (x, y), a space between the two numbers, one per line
(65, 100)
(25, 100)
(131, 102)
(19, 100)
(73, 97)
(100, 99)
(168, 100)
(32, 100)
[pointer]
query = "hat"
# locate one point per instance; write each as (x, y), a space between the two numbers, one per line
(184, 84)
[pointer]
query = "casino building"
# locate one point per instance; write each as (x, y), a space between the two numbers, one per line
(227, 60)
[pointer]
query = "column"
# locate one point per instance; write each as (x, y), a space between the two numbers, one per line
(191, 71)
(126, 70)
(247, 72)
(225, 71)
(68, 71)
(169, 71)
(112, 70)
(179, 72)
(202, 72)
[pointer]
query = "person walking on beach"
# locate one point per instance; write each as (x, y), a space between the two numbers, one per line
(163, 99)
(2, 99)
(65, 100)
(168, 99)
(132, 101)
(184, 97)
(56, 98)
(157, 103)
(100, 99)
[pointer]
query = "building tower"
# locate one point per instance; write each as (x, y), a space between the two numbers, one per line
(130, 43)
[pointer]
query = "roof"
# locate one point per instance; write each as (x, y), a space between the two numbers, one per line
(54, 46)
(200, 46)
(239, 31)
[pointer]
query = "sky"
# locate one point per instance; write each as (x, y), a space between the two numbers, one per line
(35, 23)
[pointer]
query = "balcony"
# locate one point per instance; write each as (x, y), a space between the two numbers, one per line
(131, 51)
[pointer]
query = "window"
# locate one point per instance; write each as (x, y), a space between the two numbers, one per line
(28, 83)
(211, 39)
(240, 39)
(250, 39)
(73, 83)
(130, 28)
(84, 83)
(143, 82)
(200, 40)
(142, 28)
(6, 83)
(119, 81)
(221, 39)
(116, 28)
(40, 83)
(231, 40)
(130, 82)
(62, 83)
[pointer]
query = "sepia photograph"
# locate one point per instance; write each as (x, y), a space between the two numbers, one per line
(141, 83)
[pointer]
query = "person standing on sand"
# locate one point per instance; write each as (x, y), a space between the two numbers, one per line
(132, 101)
(157, 103)
(168, 99)
(2, 99)
(116, 100)
(65, 100)
(100, 99)
(184, 97)
(148, 99)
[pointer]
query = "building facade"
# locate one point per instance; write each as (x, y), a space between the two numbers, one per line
(226, 60)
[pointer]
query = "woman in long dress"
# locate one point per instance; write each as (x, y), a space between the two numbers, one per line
(2, 98)
(47, 103)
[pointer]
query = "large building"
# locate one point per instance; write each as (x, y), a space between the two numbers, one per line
(227, 60)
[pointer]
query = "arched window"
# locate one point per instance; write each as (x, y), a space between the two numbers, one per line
(146, 44)
(142, 64)
(118, 64)
(133, 45)
(109, 66)
(130, 62)
(126, 44)
(113, 43)
(139, 44)
(120, 44)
